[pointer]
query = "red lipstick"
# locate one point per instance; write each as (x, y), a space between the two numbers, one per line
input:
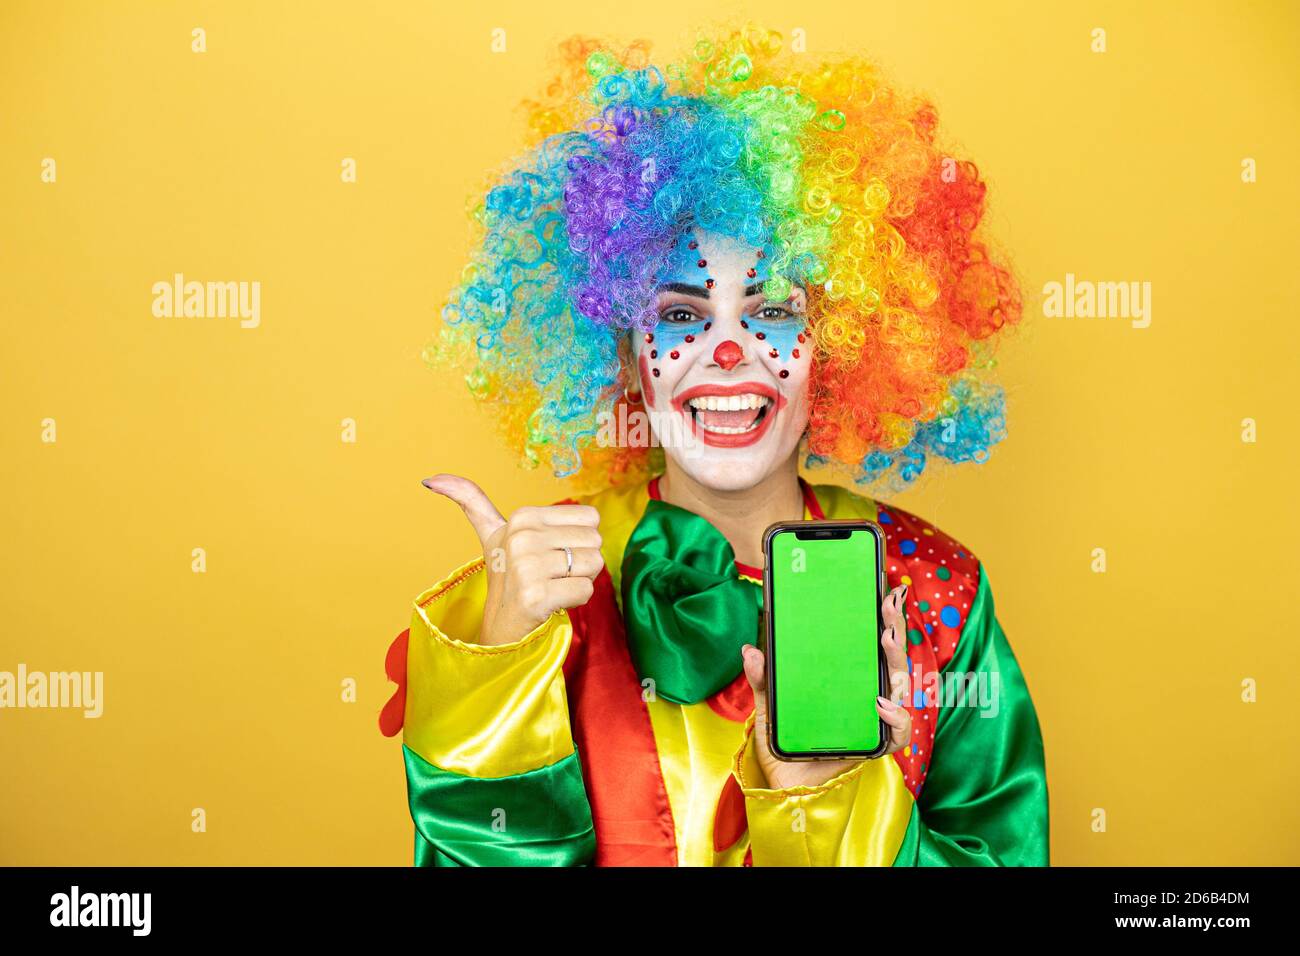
(736, 440)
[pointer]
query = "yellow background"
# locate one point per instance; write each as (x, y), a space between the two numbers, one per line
(223, 689)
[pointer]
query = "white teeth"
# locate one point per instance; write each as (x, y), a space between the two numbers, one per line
(728, 403)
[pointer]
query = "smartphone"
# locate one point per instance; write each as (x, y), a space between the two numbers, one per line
(823, 582)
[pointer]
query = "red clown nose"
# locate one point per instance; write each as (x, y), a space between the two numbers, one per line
(728, 355)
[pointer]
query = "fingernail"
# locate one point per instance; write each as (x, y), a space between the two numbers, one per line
(426, 484)
(884, 702)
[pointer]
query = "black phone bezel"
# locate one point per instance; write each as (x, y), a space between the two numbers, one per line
(829, 525)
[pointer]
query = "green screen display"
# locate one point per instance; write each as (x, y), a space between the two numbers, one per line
(826, 642)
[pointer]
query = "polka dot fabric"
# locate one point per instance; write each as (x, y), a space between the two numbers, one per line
(942, 579)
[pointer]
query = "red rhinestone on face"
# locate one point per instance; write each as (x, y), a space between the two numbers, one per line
(795, 353)
(762, 254)
(751, 273)
(674, 354)
(774, 353)
(744, 324)
(655, 371)
(760, 335)
(692, 244)
(690, 339)
(800, 336)
(654, 353)
(702, 263)
(785, 372)
(649, 337)
(707, 326)
(708, 283)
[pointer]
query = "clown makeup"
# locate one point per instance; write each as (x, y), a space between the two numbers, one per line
(725, 364)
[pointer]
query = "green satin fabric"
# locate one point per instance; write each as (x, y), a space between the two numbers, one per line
(685, 608)
(984, 802)
(539, 818)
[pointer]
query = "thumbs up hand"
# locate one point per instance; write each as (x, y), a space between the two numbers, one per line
(539, 560)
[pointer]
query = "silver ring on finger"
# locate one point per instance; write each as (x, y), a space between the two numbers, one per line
(568, 561)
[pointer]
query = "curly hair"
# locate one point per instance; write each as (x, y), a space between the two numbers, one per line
(824, 161)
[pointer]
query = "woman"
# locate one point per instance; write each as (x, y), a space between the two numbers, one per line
(759, 257)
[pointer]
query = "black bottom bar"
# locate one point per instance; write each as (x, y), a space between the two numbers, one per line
(382, 906)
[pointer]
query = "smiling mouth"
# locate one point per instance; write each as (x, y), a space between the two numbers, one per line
(728, 414)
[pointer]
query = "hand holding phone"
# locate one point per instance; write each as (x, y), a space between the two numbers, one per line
(781, 774)
(834, 642)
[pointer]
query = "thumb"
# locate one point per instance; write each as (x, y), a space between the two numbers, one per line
(482, 514)
(755, 673)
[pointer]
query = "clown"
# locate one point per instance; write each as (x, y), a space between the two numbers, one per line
(775, 262)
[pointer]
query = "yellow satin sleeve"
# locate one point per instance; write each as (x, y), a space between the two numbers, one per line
(477, 710)
(856, 819)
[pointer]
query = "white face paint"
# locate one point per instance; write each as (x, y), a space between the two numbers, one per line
(725, 365)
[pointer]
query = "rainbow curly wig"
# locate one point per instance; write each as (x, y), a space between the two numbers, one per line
(822, 160)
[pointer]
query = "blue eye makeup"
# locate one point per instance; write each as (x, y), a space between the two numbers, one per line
(679, 325)
(778, 327)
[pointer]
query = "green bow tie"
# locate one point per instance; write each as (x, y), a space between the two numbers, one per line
(685, 608)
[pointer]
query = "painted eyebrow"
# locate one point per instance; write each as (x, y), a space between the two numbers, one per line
(685, 289)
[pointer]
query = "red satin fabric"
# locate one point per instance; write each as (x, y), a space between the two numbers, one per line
(394, 712)
(615, 740)
(734, 701)
(729, 820)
